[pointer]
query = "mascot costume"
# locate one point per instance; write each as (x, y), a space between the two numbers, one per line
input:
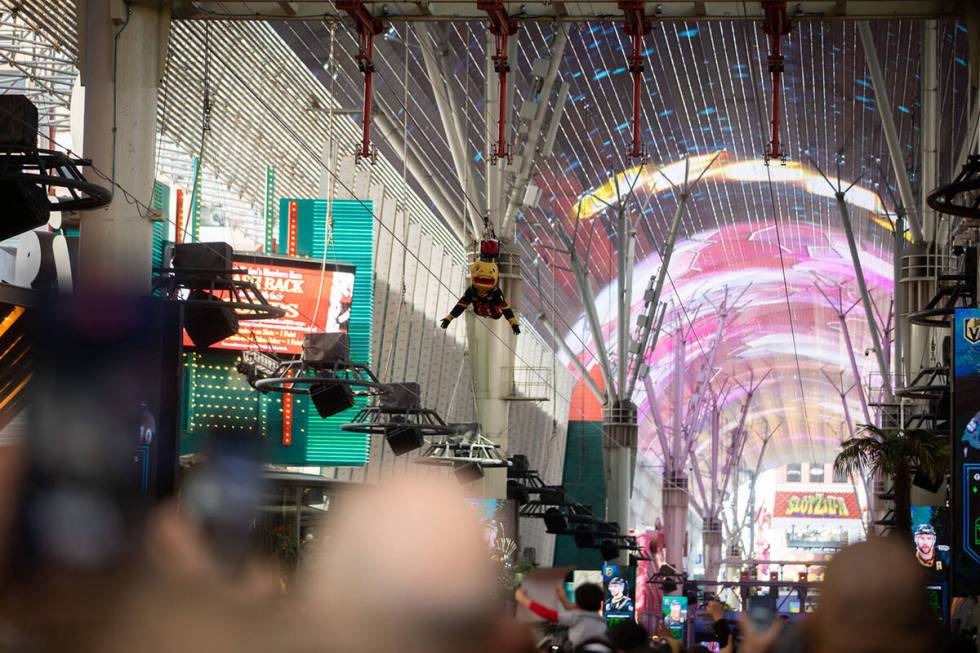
(484, 293)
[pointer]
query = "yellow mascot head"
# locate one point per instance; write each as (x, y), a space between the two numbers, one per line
(483, 275)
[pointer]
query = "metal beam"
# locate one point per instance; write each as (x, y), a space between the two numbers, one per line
(457, 146)
(529, 152)
(588, 300)
(583, 373)
(891, 134)
(869, 311)
(929, 129)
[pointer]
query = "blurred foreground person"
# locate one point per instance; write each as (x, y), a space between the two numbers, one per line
(582, 617)
(872, 600)
(429, 587)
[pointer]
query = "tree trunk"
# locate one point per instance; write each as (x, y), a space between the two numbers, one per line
(903, 500)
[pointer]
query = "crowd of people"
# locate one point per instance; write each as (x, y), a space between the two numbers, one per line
(405, 569)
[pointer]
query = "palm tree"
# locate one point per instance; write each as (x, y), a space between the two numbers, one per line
(895, 453)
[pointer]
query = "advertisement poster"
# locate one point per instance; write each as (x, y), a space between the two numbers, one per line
(316, 298)
(618, 584)
(965, 428)
(675, 615)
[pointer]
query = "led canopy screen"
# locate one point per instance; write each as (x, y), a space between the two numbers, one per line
(316, 298)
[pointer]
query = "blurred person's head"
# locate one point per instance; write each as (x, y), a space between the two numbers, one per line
(716, 610)
(629, 636)
(429, 587)
(588, 597)
(873, 598)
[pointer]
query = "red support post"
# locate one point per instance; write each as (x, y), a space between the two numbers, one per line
(636, 25)
(502, 27)
(776, 25)
(367, 28)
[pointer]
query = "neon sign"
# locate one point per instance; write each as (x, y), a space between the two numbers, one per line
(822, 505)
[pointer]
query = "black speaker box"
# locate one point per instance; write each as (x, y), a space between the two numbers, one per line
(25, 207)
(18, 122)
(207, 325)
(404, 438)
(217, 258)
(331, 398)
(552, 495)
(324, 350)
(584, 537)
(608, 550)
(401, 397)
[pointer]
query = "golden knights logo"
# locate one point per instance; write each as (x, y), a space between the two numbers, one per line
(971, 329)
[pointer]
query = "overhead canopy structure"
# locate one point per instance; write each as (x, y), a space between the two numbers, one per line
(770, 231)
(567, 10)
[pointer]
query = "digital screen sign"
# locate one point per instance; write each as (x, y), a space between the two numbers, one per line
(966, 451)
(931, 536)
(675, 615)
(617, 607)
(316, 298)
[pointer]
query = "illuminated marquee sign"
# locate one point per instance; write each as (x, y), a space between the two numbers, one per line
(818, 505)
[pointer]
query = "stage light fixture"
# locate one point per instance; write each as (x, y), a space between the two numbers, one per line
(555, 522)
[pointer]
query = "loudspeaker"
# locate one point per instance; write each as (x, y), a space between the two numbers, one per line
(609, 550)
(518, 466)
(401, 397)
(215, 257)
(207, 325)
(404, 438)
(517, 492)
(468, 472)
(25, 205)
(331, 398)
(18, 122)
(324, 350)
(584, 537)
(552, 496)
(554, 521)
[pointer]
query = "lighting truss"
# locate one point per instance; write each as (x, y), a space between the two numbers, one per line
(466, 446)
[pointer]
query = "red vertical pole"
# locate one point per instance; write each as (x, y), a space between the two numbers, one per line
(367, 48)
(636, 25)
(776, 25)
(367, 28)
(501, 26)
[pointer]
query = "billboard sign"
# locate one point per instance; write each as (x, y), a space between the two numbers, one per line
(965, 426)
(817, 505)
(317, 298)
